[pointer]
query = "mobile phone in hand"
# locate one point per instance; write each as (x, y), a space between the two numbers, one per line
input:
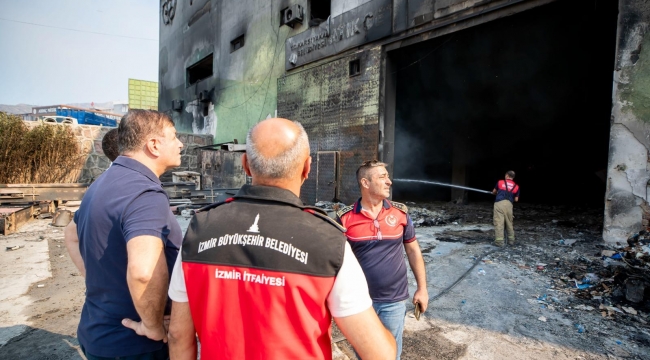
(418, 311)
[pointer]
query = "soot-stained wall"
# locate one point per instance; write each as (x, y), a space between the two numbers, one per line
(339, 113)
(530, 92)
(626, 203)
(242, 88)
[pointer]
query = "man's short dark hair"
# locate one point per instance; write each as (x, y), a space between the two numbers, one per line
(109, 145)
(137, 125)
(511, 174)
(362, 171)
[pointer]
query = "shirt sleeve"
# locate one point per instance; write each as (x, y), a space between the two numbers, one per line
(409, 230)
(350, 295)
(177, 290)
(148, 214)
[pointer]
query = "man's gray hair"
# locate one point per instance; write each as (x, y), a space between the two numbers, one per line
(282, 165)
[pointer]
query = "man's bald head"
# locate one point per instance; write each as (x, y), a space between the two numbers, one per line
(277, 149)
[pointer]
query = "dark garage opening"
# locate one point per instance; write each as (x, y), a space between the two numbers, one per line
(531, 92)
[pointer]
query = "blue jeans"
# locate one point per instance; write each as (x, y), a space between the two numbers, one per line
(392, 316)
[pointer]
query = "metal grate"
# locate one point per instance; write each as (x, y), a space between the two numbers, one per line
(327, 183)
(340, 114)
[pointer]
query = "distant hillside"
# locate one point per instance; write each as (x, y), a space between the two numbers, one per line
(16, 109)
(100, 105)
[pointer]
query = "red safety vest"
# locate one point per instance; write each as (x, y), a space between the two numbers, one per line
(258, 274)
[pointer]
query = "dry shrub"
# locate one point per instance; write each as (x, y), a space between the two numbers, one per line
(45, 154)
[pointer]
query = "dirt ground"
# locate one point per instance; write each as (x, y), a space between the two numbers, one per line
(505, 308)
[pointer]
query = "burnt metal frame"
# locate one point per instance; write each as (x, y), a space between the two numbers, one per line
(11, 221)
(22, 193)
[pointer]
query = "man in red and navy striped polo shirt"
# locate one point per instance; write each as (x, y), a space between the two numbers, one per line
(507, 193)
(378, 230)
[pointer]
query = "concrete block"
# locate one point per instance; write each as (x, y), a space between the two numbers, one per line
(85, 176)
(95, 132)
(87, 147)
(91, 162)
(96, 172)
(98, 147)
(103, 163)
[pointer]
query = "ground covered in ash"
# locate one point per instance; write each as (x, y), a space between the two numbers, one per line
(556, 294)
(559, 293)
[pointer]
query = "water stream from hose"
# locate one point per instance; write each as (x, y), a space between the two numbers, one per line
(442, 184)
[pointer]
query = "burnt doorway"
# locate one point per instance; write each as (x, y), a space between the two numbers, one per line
(531, 92)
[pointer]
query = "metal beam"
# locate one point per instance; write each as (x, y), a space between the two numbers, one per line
(13, 217)
(21, 193)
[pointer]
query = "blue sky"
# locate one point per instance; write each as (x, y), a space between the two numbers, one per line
(44, 65)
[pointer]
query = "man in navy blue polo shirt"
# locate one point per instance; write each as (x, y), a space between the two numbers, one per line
(124, 240)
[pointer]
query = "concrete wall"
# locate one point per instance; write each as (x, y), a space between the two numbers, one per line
(89, 138)
(626, 203)
(339, 7)
(190, 154)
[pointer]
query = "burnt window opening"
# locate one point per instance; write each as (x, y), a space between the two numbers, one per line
(199, 70)
(282, 15)
(319, 11)
(484, 111)
(355, 67)
(237, 44)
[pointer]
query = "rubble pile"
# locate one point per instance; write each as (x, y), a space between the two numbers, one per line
(617, 275)
(588, 276)
(425, 217)
(330, 207)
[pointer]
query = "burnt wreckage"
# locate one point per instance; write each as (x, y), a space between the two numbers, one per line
(443, 90)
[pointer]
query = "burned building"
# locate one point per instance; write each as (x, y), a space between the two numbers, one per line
(447, 90)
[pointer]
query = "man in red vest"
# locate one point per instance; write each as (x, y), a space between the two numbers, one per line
(261, 275)
(507, 193)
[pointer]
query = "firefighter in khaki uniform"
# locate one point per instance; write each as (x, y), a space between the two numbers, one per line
(507, 193)
(261, 275)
